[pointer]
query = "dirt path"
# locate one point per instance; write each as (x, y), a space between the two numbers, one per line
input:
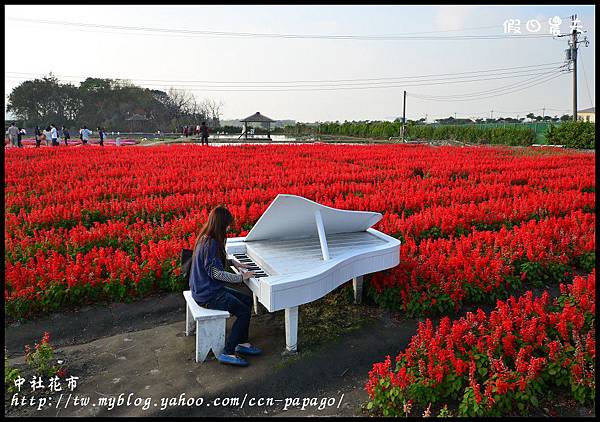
(146, 353)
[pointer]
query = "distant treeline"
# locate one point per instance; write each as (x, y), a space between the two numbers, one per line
(110, 103)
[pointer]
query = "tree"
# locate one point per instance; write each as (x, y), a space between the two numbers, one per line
(565, 118)
(531, 116)
(44, 101)
(212, 109)
(107, 103)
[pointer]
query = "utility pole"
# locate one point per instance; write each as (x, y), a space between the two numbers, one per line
(574, 59)
(404, 119)
(543, 113)
(492, 115)
(572, 56)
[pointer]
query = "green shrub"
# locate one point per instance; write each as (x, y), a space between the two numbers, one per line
(10, 375)
(40, 359)
(573, 134)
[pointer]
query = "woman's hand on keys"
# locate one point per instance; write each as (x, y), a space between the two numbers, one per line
(247, 274)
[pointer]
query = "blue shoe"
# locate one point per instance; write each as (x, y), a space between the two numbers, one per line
(223, 358)
(252, 350)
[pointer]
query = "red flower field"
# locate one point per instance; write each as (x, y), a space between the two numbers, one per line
(496, 364)
(476, 224)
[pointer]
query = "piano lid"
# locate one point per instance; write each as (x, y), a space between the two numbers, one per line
(291, 216)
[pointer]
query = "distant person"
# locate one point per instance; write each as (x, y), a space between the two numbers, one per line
(204, 133)
(85, 135)
(207, 284)
(243, 132)
(197, 129)
(19, 137)
(102, 135)
(81, 136)
(47, 134)
(66, 135)
(13, 134)
(54, 135)
(37, 134)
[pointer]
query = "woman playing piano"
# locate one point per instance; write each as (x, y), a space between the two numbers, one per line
(207, 284)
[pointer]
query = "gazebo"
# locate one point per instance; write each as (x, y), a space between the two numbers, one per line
(136, 118)
(257, 117)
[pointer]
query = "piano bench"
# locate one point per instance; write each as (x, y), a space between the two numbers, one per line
(209, 325)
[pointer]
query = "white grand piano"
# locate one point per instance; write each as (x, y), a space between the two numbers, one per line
(301, 250)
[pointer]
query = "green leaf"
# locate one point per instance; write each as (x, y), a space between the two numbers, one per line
(534, 400)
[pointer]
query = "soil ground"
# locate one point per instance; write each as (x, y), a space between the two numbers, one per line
(141, 349)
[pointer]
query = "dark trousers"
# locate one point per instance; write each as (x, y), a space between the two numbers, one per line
(205, 139)
(240, 305)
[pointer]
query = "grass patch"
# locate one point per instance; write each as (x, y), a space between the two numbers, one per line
(325, 320)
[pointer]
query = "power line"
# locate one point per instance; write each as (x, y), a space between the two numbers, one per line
(333, 88)
(543, 80)
(586, 81)
(479, 93)
(321, 80)
(512, 85)
(172, 31)
(456, 79)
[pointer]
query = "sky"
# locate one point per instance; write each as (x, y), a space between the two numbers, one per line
(243, 66)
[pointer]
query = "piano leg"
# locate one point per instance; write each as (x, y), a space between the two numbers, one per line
(357, 283)
(291, 330)
(254, 299)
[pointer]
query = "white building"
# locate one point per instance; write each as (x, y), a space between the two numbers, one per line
(587, 115)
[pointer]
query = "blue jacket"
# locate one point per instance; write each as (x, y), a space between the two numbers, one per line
(203, 286)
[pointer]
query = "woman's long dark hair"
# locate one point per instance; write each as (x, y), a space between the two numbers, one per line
(216, 228)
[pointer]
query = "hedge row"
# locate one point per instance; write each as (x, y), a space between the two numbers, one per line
(382, 129)
(474, 135)
(573, 135)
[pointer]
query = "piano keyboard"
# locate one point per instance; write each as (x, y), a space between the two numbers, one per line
(244, 259)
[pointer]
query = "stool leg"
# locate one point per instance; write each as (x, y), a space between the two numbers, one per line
(210, 334)
(189, 320)
(218, 345)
